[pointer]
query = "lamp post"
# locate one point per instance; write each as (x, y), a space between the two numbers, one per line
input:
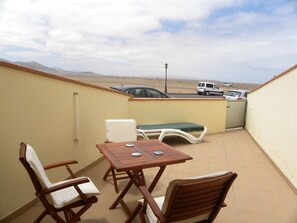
(166, 66)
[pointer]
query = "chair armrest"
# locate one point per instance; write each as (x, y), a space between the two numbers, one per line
(63, 163)
(152, 203)
(70, 183)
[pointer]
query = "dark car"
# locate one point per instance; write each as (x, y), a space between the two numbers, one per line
(140, 91)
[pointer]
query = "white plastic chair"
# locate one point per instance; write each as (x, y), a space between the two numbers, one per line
(120, 130)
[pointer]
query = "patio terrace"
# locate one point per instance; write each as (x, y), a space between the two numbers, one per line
(259, 194)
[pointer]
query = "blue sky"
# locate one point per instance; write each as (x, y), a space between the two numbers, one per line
(225, 40)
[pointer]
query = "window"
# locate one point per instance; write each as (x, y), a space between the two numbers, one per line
(154, 94)
(131, 91)
(137, 92)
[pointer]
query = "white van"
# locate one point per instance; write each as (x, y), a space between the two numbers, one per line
(208, 88)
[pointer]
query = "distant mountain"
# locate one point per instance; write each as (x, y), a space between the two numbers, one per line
(37, 66)
(1, 59)
(52, 70)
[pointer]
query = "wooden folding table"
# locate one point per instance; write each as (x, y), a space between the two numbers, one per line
(133, 157)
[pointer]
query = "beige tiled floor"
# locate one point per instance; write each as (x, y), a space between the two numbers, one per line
(259, 194)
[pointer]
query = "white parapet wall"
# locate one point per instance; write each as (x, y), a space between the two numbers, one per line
(272, 120)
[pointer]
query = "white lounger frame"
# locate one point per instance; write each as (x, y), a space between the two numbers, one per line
(162, 133)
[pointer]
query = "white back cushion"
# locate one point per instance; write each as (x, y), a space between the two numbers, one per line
(36, 165)
(120, 130)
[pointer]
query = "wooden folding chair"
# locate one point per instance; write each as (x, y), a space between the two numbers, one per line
(62, 196)
(188, 200)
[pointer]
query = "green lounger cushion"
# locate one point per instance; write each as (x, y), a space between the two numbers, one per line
(183, 126)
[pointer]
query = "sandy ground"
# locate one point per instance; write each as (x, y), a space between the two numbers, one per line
(173, 86)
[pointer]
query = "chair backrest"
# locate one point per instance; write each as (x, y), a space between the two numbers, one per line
(32, 164)
(120, 130)
(197, 199)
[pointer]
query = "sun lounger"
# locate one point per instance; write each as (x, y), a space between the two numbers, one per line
(180, 129)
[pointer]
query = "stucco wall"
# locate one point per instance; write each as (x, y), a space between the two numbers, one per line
(40, 110)
(272, 120)
(208, 112)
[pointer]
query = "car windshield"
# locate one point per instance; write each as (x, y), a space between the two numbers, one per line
(233, 93)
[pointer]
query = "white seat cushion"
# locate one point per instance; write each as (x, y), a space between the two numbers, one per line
(149, 213)
(160, 200)
(68, 195)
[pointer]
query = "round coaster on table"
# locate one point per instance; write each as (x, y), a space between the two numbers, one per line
(158, 152)
(136, 154)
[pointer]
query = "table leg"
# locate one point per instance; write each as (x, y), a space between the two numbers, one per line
(122, 194)
(136, 177)
(156, 179)
(150, 189)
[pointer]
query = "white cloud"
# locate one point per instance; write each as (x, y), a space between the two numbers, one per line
(126, 37)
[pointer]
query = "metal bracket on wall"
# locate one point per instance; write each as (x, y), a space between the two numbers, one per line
(76, 118)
